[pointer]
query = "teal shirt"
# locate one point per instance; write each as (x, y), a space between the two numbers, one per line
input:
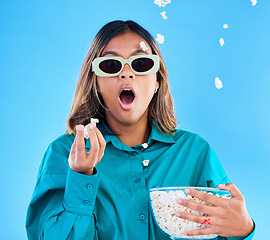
(114, 203)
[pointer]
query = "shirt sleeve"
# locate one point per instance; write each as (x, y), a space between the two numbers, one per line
(63, 200)
(214, 174)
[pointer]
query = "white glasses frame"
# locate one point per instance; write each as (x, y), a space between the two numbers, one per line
(99, 72)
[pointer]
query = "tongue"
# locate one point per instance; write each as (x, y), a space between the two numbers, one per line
(126, 98)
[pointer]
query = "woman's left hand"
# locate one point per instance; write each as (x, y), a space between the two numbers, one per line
(226, 217)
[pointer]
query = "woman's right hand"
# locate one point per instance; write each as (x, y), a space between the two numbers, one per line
(81, 161)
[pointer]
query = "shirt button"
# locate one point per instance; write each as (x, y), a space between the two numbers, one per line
(138, 180)
(89, 186)
(86, 203)
(134, 153)
(142, 216)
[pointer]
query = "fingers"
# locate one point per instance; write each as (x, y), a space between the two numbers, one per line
(102, 142)
(197, 206)
(73, 147)
(94, 150)
(97, 137)
(234, 191)
(202, 231)
(207, 227)
(214, 200)
(190, 217)
(80, 145)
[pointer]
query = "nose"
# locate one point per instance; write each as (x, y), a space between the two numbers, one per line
(126, 73)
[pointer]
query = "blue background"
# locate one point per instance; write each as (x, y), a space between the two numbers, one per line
(42, 48)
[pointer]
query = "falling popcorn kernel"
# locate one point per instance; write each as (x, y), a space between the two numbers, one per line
(163, 14)
(218, 83)
(161, 3)
(221, 41)
(254, 2)
(145, 163)
(160, 38)
(225, 26)
(143, 46)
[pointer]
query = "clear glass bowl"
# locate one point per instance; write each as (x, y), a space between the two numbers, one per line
(164, 205)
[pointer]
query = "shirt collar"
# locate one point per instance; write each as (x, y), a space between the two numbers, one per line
(159, 136)
(109, 136)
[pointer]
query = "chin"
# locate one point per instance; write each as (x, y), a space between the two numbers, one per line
(127, 118)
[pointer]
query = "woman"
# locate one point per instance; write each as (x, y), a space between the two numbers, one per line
(101, 192)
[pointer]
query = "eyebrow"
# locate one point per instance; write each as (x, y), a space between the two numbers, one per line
(116, 54)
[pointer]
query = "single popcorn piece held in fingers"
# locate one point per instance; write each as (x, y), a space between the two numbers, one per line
(86, 135)
(93, 120)
(218, 83)
(160, 38)
(163, 14)
(221, 41)
(254, 2)
(225, 26)
(143, 46)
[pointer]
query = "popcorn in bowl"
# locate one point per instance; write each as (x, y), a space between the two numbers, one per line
(164, 206)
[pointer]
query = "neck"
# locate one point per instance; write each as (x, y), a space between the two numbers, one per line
(131, 134)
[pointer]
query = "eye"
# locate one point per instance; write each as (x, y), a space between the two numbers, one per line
(110, 66)
(142, 64)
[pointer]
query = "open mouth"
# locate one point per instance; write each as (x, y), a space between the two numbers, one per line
(126, 98)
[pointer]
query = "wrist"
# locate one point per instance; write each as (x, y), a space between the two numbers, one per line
(249, 227)
(88, 172)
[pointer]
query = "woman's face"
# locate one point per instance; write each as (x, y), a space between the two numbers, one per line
(126, 108)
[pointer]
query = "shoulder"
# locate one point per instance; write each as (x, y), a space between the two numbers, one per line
(181, 136)
(62, 144)
(55, 159)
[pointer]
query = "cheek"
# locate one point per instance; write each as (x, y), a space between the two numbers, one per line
(106, 88)
(149, 85)
(100, 83)
(103, 85)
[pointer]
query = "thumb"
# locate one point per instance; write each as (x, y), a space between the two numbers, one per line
(73, 147)
(234, 191)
